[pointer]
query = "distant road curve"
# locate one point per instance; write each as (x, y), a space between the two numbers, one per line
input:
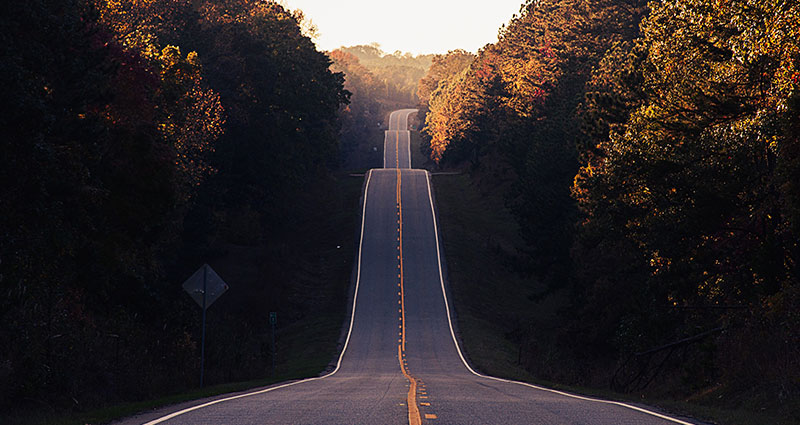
(397, 140)
(401, 362)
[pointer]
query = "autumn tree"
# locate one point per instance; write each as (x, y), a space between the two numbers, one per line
(133, 152)
(398, 72)
(191, 118)
(88, 195)
(689, 174)
(651, 168)
(361, 117)
(523, 94)
(442, 67)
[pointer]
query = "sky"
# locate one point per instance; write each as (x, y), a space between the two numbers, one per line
(415, 26)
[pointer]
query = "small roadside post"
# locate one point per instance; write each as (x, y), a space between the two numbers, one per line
(204, 286)
(273, 320)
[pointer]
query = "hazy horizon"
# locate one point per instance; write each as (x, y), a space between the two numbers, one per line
(416, 26)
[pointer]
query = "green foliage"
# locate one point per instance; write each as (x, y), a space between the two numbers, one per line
(282, 104)
(689, 177)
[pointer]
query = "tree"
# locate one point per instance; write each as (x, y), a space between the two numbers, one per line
(366, 109)
(128, 160)
(83, 153)
(687, 182)
(399, 72)
(442, 67)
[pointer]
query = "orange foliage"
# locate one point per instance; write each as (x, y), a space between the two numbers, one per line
(190, 115)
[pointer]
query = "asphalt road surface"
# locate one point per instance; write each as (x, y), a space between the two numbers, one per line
(397, 140)
(401, 362)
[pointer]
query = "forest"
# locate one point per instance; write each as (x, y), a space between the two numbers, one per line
(399, 72)
(140, 140)
(649, 153)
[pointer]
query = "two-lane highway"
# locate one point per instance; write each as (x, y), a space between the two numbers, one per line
(397, 140)
(401, 362)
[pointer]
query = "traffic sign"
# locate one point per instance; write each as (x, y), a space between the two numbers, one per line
(205, 277)
(204, 286)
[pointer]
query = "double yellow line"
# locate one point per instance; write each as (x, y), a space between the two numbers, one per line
(413, 410)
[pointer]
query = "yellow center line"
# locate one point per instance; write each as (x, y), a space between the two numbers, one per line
(414, 417)
(400, 248)
(413, 411)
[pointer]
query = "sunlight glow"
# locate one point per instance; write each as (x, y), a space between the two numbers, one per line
(416, 26)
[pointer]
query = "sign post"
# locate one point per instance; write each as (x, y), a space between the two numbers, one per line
(203, 333)
(273, 320)
(204, 286)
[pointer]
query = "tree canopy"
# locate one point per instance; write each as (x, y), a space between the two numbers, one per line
(139, 138)
(649, 152)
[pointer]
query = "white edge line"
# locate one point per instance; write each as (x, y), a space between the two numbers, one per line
(408, 133)
(396, 116)
(408, 145)
(385, 138)
(406, 130)
(458, 349)
(386, 134)
(338, 363)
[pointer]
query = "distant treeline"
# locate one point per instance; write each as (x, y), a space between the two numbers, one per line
(379, 83)
(398, 72)
(651, 154)
(139, 139)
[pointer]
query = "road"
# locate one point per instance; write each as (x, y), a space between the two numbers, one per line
(401, 363)
(397, 140)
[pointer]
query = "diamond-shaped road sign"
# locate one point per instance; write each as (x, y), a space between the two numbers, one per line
(214, 285)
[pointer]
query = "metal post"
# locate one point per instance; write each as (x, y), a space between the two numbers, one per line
(203, 338)
(273, 347)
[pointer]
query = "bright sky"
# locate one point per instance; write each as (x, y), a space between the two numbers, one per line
(416, 26)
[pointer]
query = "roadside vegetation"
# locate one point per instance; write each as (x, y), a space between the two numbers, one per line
(139, 141)
(647, 153)
(493, 303)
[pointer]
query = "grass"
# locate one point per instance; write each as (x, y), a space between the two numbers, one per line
(418, 159)
(121, 410)
(491, 302)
